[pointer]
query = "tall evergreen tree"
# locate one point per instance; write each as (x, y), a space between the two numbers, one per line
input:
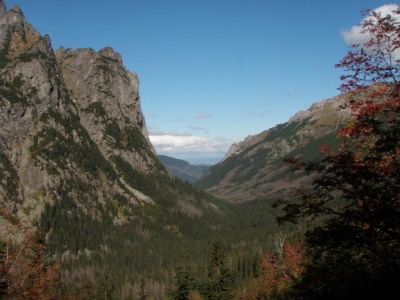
(185, 285)
(220, 283)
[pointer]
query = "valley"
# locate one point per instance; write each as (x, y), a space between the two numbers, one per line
(90, 208)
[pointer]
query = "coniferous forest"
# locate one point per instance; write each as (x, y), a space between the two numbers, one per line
(307, 210)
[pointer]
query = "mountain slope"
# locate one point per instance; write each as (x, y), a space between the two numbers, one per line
(255, 168)
(182, 169)
(76, 163)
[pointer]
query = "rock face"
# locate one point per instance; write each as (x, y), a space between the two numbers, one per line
(31, 86)
(107, 98)
(61, 123)
(254, 168)
(77, 164)
(237, 148)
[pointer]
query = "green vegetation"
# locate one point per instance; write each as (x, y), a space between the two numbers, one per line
(310, 151)
(66, 216)
(97, 109)
(218, 285)
(30, 56)
(59, 148)
(287, 130)
(13, 91)
(218, 172)
(4, 60)
(247, 164)
(127, 138)
(159, 235)
(9, 179)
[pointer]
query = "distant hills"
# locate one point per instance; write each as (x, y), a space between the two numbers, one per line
(183, 169)
(255, 168)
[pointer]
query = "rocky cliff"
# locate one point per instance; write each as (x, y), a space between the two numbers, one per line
(255, 168)
(58, 135)
(107, 98)
(76, 164)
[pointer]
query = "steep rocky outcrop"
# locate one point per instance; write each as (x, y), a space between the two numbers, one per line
(47, 148)
(30, 87)
(76, 164)
(255, 168)
(107, 98)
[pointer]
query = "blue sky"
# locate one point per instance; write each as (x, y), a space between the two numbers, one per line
(211, 71)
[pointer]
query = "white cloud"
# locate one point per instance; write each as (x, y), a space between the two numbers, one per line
(172, 143)
(185, 144)
(355, 34)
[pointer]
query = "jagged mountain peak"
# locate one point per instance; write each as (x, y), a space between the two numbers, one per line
(17, 10)
(16, 34)
(14, 15)
(107, 52)
(2, 7)
(110, 53)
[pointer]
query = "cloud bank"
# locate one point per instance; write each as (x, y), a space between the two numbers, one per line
(190, 146)
(355, 34)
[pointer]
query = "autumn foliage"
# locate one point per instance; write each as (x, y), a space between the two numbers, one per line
(354, 251)
(278, 272)
(25, 272)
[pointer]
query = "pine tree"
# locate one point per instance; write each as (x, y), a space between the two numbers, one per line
(185, 285)
(220, 282)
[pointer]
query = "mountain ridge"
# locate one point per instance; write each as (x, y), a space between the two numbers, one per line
(255, 167)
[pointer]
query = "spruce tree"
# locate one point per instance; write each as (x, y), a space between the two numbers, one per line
(220, 283)
(185, 285)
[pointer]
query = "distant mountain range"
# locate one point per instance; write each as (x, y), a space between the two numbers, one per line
(255, 168)
(183, 169)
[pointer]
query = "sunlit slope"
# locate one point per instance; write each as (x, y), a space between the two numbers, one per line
(255, 168)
